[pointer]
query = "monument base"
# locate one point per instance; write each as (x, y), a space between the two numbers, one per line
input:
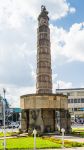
(46, 113)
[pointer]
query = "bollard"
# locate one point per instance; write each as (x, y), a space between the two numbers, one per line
(34, 132)
(62, 130)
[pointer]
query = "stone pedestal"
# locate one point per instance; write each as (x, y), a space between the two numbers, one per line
(48, 119)
(39, 111)
(41, 119)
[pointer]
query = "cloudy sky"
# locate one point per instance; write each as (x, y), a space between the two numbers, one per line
(18, 25)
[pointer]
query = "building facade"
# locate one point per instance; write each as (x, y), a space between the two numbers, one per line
(75, 101)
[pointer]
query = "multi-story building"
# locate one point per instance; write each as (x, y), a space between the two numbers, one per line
(75, 101)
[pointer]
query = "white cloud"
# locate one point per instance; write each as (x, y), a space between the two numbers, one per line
(17, 61)
(59, 84)
(62, 85)
(82, 85)
(13, 93)
(68, 44)
(54, 76)
(14, 12)
(18, 23)
(60, 8)
(72, 10)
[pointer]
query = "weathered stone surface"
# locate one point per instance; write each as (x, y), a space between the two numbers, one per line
(42, 109)
(43, 101)
(44, 71)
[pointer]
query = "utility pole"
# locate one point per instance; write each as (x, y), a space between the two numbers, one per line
(4, 91)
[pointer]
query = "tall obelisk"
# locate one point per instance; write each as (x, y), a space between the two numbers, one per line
(44, 71)
(40, 110)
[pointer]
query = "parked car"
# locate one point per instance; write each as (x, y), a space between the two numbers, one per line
(13, 125)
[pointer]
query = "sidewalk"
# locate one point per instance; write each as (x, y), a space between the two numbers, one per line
(71, 138)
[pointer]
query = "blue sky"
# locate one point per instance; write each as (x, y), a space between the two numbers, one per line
(18, 33)
(72, 71)
(70, 19)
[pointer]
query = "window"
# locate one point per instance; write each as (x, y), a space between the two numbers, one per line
(79, 100)
(75, 109)
(68, 94)
(82, 100)
(75, 100)
(71, 100)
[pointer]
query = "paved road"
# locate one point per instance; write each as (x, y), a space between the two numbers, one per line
(9, 130)
(78, 126)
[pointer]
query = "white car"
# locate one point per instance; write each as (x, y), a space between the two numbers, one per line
(13, 125)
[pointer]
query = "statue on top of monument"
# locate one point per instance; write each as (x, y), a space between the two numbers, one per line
(44, 12)
(43, 9)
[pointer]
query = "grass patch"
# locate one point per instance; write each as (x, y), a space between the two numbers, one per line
(41, 143)
(28, 143)
(78, 132)
(67, 143)
(8, 134)
(77, 129)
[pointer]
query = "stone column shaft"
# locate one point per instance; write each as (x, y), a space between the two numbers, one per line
(44, 71)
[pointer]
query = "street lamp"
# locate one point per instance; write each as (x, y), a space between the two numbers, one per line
(34, 132)
(62, 130)
(4, 91)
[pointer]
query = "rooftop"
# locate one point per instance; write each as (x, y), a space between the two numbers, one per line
(71, 89)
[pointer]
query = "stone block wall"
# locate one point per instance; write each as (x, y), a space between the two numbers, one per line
(39, 112)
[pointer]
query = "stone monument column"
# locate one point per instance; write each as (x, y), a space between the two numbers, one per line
(38, 110)
(44, 71)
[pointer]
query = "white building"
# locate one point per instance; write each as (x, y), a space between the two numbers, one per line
(75, 101)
